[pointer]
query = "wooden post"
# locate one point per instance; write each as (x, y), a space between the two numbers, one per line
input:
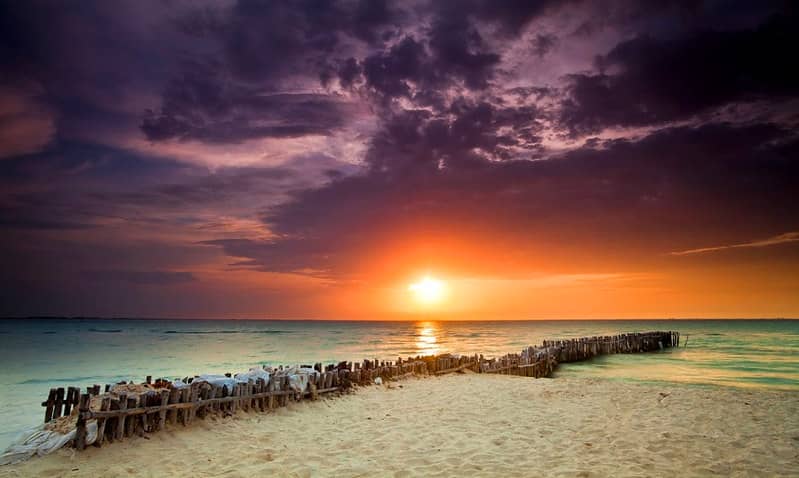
(49, 404)
(260, 387)
(144, 402)
(123, 405)
(184, 398)
(80, 432)
(211, 394)
(101, 422)
(234, 393)
(271, 387)
(312, 388)
(59, 402)
(130, 423)
(192, 398)
(247, 389)
(174, 397)
(73, 396)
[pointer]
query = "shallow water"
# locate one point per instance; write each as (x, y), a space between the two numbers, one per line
(40, 354)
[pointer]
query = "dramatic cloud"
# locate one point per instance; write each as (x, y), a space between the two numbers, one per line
(176, 158)
(650, 80)
(610, 193)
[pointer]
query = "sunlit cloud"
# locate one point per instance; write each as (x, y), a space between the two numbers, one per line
(785, 238)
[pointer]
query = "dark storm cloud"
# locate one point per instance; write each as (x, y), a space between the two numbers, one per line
(648, 80)
(544, 43)
(389, 72)
(236, 96)
(419, 139)
(264, 41)
(453, 51)
(459, 48)
(203, 105)
(348, 72)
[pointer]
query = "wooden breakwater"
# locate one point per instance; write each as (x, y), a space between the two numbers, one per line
(128, 409)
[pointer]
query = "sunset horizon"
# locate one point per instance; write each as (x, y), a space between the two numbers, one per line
(409, 318)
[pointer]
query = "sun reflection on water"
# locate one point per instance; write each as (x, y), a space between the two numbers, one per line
(427, 338)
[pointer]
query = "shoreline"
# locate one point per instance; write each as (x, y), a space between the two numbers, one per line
(472, 425)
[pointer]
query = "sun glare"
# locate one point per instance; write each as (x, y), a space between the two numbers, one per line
(427, 290)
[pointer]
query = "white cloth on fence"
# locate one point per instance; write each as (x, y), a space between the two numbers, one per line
(253, 374)
(300, 377)
(224, 381)
(40, 441)
(218, 380)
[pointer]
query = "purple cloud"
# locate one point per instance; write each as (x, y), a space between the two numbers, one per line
(191, 145)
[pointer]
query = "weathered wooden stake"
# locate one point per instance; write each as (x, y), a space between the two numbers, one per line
(123, 405)
(80, 432)
(101, 422)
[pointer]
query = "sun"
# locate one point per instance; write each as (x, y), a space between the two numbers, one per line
(427, 290)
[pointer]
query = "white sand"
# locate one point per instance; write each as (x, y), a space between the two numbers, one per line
(472, 425)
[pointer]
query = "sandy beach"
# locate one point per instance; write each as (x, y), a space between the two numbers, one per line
(472, 425)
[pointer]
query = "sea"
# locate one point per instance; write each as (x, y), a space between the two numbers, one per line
(37, 354)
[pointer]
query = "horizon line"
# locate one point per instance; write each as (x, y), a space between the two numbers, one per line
(429, 319)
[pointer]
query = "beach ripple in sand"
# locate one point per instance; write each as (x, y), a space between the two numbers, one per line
(473, 425)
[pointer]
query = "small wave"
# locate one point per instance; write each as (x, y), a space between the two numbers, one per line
(106, 331)
(214, 332)
(33, 381)
(198, 332)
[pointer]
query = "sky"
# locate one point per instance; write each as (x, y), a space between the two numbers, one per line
(312, 159)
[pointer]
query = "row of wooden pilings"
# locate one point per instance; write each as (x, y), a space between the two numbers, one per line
(584, 348)
(541, 361)
(125, 410)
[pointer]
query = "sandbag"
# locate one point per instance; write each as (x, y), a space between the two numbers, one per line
(41, 441)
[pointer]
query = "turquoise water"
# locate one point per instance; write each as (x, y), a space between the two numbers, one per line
(39, 354)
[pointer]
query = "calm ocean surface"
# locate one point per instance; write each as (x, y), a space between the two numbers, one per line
(39, 354)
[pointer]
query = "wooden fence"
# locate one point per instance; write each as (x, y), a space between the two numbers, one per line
(120, 413)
